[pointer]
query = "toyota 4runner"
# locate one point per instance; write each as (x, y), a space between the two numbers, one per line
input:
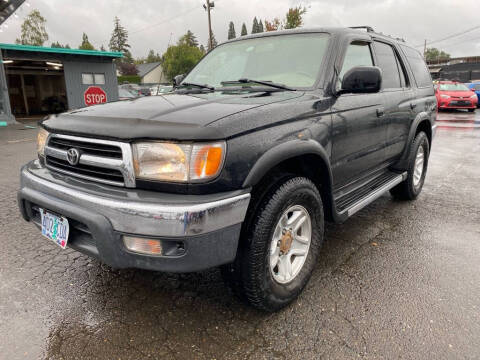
(268, 137)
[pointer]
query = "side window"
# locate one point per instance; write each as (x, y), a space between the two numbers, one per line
(90, 79)
(388, 63)
(358, 54)
(418, 66)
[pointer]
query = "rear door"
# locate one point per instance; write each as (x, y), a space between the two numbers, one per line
(359, 126)
(398, 95)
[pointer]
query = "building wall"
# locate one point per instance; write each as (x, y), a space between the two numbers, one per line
(155, 76)
(73, 70)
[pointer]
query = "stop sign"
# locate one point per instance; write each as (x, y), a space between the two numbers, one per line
(94, 95)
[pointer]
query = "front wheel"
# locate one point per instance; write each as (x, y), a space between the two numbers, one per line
(279, 253)
(471, 110)
(411, 187)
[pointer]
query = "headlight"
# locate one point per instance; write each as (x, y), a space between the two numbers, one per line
(474, 96)
(445, 96)
(41, 141)
(178, 162)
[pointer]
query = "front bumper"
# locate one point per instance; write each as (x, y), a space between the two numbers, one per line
(200, 231)
(457, 104)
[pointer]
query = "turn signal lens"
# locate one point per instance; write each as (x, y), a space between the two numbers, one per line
(42, 141)
(142, 245)
(206, 161)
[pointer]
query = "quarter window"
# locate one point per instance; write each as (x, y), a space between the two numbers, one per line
(418, 66)
(358, 54)
(388, 63)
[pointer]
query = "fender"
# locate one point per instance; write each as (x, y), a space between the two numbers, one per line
(282, 152)
(422, 116)
(289, 150)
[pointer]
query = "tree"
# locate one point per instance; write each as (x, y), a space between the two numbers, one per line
(153, 57)
(86, 45)
(244, 30)
(294, 17)
(202, 49)
(127, 68)
(255, 26)
(33, 30)
(189, 39)
(231, 31)
(260, 27)
(58, 45)
(434, 54)
(119, 41)
(273, 25)
(180, 59)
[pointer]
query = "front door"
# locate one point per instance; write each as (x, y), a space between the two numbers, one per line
(359, 125)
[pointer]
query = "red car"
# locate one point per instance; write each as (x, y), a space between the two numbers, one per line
(455, 95)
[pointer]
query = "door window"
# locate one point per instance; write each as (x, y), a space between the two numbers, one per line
(358, 54)
(387, 61)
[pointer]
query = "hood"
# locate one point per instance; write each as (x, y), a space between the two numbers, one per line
(168, 117)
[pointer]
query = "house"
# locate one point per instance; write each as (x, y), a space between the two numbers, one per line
(151, 73)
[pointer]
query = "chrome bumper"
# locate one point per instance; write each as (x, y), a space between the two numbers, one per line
(129, 212)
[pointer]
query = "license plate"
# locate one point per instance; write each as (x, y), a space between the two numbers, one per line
(55, 228)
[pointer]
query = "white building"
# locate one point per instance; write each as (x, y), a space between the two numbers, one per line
(151, 73)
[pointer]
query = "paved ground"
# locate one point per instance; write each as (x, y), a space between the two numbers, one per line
(398, 280)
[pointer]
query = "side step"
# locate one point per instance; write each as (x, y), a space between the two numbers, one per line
(356, 200)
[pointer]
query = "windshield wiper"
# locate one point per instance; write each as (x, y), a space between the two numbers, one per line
(260, 82)
(200, 86)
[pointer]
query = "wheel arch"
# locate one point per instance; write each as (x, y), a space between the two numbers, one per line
(299, 157)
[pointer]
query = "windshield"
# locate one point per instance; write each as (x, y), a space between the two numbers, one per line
(453, 87)
(292, 60)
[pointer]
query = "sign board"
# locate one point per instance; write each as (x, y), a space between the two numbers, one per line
(94, 95)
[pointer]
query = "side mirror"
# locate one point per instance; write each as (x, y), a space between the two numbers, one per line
(362, 79)
(178, 79)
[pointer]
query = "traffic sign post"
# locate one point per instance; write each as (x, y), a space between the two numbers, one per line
(94, 95)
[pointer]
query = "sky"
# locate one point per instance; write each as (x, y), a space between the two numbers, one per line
(154, 24)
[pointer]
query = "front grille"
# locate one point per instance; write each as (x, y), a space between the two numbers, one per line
(93, 172)
(96, 149)
(103, 161)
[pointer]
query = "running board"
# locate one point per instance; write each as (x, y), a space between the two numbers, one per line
(356, 200)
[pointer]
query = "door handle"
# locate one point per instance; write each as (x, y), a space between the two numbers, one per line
(380, 112)
(413, 105)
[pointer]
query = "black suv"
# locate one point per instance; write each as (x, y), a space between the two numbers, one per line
(264, 140)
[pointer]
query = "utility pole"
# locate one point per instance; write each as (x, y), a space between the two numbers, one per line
(425, 49)
(209, 5)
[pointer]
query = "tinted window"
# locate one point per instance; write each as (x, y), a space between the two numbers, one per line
(358, 54)
(418, 66)
(388, 63)
(477, 87)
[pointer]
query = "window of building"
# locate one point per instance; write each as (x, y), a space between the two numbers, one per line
(99, 79)
(87, 79)
(90, 79)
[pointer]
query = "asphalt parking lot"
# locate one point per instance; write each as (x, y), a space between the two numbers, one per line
(398, 280)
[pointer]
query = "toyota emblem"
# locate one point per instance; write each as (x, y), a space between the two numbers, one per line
(73, 156)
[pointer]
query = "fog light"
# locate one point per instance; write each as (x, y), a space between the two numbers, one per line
(143, 246)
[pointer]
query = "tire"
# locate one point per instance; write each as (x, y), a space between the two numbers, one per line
(410, 188)
(471, 110)
(250, 276)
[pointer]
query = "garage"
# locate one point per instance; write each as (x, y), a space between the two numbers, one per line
(37, 81)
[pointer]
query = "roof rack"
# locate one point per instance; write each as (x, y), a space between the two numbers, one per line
(368, 28)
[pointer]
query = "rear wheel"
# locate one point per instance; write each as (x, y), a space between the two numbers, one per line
(411, 187)
(279, 253)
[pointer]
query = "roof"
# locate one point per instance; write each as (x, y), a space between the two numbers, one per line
(144, 69)
(37, 49)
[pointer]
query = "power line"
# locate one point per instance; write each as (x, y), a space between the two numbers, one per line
(450, 36)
